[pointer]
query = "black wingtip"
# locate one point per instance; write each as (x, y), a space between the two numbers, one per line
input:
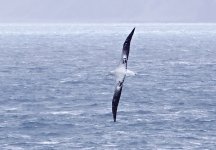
(114, 114)
(130, 35)
(132, 32)
(114, 117)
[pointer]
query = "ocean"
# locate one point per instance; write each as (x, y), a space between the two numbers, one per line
(56, 90)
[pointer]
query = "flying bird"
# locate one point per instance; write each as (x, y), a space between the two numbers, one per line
(120, 73)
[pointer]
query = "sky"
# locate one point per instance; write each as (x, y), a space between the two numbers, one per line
(107, 11)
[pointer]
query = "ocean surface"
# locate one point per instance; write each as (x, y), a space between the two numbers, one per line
(56, 90)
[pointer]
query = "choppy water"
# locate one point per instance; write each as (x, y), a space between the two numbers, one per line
(55, 91)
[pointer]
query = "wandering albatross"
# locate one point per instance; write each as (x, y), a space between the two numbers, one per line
(120, 73)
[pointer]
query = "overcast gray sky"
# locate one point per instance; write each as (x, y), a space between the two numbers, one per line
(107, 11)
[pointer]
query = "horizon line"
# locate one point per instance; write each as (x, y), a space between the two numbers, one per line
(107, 23)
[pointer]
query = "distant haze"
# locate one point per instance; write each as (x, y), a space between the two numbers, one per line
(73, 11)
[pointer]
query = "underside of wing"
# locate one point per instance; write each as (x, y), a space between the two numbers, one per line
(126, 48)
(116, 98)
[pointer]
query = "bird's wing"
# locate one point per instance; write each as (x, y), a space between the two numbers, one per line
(126, 48)
(116, 98)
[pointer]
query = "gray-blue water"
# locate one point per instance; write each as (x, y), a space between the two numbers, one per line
(56, 91)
